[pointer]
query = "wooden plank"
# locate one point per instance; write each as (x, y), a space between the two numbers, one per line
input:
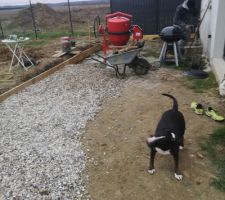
(74, 52)
(61, 53)
(75, 59)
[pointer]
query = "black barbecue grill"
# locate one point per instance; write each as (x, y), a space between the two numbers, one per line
(172, 34)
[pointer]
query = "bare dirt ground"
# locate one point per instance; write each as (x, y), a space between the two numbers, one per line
(115, 140)
(42, 55)
(42, 50)
(119, 156)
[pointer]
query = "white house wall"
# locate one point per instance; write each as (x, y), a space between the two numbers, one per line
(205, 29)
(212, 33)
(218, 29)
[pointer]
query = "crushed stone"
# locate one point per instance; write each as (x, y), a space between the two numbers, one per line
(41, 156)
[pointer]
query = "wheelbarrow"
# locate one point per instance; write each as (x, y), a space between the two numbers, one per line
(128, 58)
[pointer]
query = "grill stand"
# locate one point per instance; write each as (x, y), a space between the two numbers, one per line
(176, 50)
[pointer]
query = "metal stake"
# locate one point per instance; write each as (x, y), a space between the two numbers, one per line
(3, 37)
(70, 18)
(33, 19)
(176, 54)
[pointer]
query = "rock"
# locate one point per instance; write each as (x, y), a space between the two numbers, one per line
(186, 174)
(44, 192)
(212, 176)
(199, 155)
(198, 181)
(192, 155)
(118, 194)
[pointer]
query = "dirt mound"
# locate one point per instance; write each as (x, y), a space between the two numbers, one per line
(4, 52)
(45, 17)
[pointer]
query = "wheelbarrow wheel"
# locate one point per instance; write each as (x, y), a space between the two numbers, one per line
(140, 66)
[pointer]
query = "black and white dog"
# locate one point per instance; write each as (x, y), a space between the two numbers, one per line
(169, 137)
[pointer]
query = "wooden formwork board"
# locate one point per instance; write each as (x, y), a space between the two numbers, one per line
(75, 59)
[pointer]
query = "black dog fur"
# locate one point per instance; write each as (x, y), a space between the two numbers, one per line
(169, 136)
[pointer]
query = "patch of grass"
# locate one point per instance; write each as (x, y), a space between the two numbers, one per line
(57, 34)
(184, 65)
(45, 37)
(48, 35)
(201, 85)
(151, 53)
(215, 148)
(36, 43)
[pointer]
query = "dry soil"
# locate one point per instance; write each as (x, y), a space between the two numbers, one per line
(119, 157)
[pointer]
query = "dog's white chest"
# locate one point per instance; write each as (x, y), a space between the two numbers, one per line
(160, 151)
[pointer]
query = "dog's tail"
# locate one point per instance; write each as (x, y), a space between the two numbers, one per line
(175, 104)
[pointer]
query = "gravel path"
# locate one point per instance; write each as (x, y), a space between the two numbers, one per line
(40, 152)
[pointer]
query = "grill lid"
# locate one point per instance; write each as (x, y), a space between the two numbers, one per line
(172, 34)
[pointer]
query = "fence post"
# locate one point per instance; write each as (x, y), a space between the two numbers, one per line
(70, 18)
(3, 37)
(111, 6)
(33, 19)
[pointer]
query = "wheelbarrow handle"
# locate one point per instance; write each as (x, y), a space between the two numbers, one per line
(104, 63)
(99, 56)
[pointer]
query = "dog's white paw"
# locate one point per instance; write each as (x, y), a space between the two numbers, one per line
(179, 177)
(181, 147)
(152, 171)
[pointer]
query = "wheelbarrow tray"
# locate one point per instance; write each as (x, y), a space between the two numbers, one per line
(123, 58)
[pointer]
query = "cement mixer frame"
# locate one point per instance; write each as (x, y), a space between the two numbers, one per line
(122, 55)
(108, 36)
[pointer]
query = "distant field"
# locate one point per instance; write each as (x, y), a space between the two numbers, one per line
(82, 7)
(8, 15)
(54, 19)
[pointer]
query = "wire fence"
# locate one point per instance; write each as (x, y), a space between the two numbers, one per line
(39, 20)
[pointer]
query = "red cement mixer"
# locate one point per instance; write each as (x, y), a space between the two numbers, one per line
(116, 37)
(118, 30)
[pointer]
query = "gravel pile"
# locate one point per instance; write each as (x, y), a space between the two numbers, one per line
(40, 152)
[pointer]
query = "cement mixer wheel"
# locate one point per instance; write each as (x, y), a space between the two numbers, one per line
(97, 23)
